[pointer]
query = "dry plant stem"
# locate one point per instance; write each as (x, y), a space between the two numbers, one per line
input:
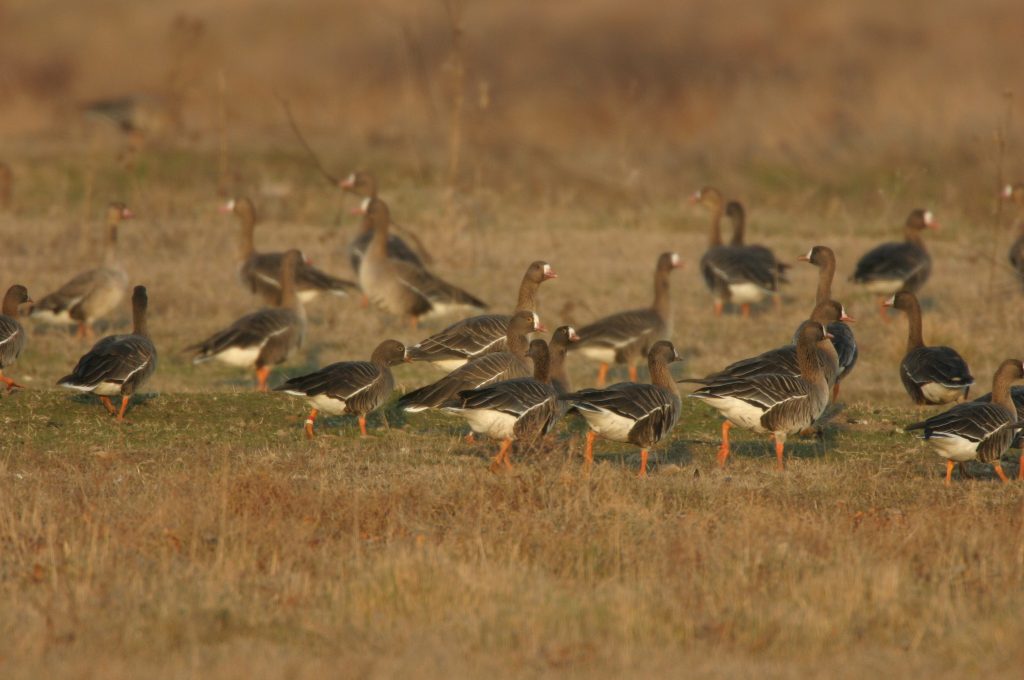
(313, 158)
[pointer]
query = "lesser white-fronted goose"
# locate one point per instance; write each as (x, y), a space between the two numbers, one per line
(478, 335)
(92, 294)
(931, 375)
(354, 387)
(117, 364)
(12, 335)
(1015, 193)
(521, 409)
(362, 183)
(732, 274)
(264, 338)
(400, 288)
(842, 335)
(977, 430)
(779, 404)
(627, 337)
(630, 412)
(482, 371)
(738, 216)
(895, 266)
(261, 272)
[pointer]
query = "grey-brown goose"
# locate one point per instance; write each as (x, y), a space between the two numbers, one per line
(632, 413)
(117, 365)
(738, 216)
(400, 288)
(264, 338)
(627, 337)
(12, 335)
(1017, 395)
(481, 334)
(362, 183)
(261, 272)
(732, 274)
(779, 404)
(895, 266)
(482, 371)
(92, 294)
(931, 375)
(1015, 193)
(977, 430)
(354, 387)
(842, 335)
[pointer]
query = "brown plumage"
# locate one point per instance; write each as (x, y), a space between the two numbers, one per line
(896, 266)
(362, 183)
(12, 334)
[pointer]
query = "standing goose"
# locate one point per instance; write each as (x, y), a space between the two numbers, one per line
(842, 335)
(356, 387)
(931, 375)
(633, 413)
(263, 338)
(260, 272)
(117, 364)
(362, 183)
(1015, 193)
(779, 404)
(482, 371)
(1017, 395)
(92, 294)
(478, 335)
(896, 266)
(12, 335)
(521, 409)
(977, 430)
(732, 274)
(401, 288)
(627, 337)
(738, 216)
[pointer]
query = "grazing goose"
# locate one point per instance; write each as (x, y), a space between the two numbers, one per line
(627, 337)
(779, 404)
(263, 338)
(401, 288)
(356, 387)
(931, 375)
(482, 371)
(1015, 193)
(362, 183)
(521, 409)
(977, 430)
(478, 335)
(92, 294)
(738, 216)
(260, 272)
(117, 364)
(732, 274)
(633, 413)
(842, 335)
(894, 266)
(12, 335)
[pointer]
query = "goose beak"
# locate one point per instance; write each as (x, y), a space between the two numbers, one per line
(929, 220)
(695, 197)
(807, 257)
(539, 328)
(549, 273)
(829, 336)
(227, 207)
(846, 318)
(891, 302)
(1007, 191)
(573, 336)
(348, 183)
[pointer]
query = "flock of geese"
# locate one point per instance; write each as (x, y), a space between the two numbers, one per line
(514, 389)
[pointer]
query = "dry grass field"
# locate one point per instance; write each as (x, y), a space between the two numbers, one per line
(209, 539)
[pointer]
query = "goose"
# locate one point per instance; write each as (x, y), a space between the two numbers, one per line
(520, 409)
(931, 375)
(482, 371)
(630, 412)
(399, 287)
(895, 266)
(362, 183)
(842, 335)
(738, 216)
(355, 387)
(1015, 193)
(627, 337)
(260, 272)
(977, 430)
(12, 335)
(263, 338)
(1017, 395)
(731, 273)
(117, 364)
(478, 335)
(92, 294)
(779, 404)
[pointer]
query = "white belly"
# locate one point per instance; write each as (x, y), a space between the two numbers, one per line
(738, 412)
(955, 448)
(605, 355)
(884, 286)
(326, 404)
(51, 317)
(239, 356)
(307, 295)
(941, 394)
(449, 365)
(494, 424)
(107, 389)
(745, 293)
(609, 425)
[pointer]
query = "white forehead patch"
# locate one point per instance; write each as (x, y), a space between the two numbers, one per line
(572, 334)
(547, 268)
(809, 253)
(1008, 191)
(929, 218)
(230, 205)
(891, 301)
(675, 259)
(366, 204)
(536, 320)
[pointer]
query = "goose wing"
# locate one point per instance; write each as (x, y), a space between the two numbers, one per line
(252, 330)
(896, 260)
(468, 338)
(619, 330)
(115, 359)
(942, 365)
(479, 372)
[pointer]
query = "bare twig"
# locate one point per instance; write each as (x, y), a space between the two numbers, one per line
(314, 159)
(1002, 131)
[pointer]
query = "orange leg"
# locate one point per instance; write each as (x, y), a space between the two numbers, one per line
(883, 310)
(632, 373)
(999, 471)
(11, 385)
(779, 460)
(835, 392)
(124, 407)
(470, 438)
(643, 463)
(362, 426)
(364, 302)
(719, 305)
(80, 332)
(262, 373)
(588, 452)
(745, 310)
(723, 450)
(1020, 467)
(414, 322)
(308, 427)
(602, 374)
(949, 471)
(107, 405)
(777, 302)
(501, 460)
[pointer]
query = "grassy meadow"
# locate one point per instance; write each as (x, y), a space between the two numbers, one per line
(208, 538)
